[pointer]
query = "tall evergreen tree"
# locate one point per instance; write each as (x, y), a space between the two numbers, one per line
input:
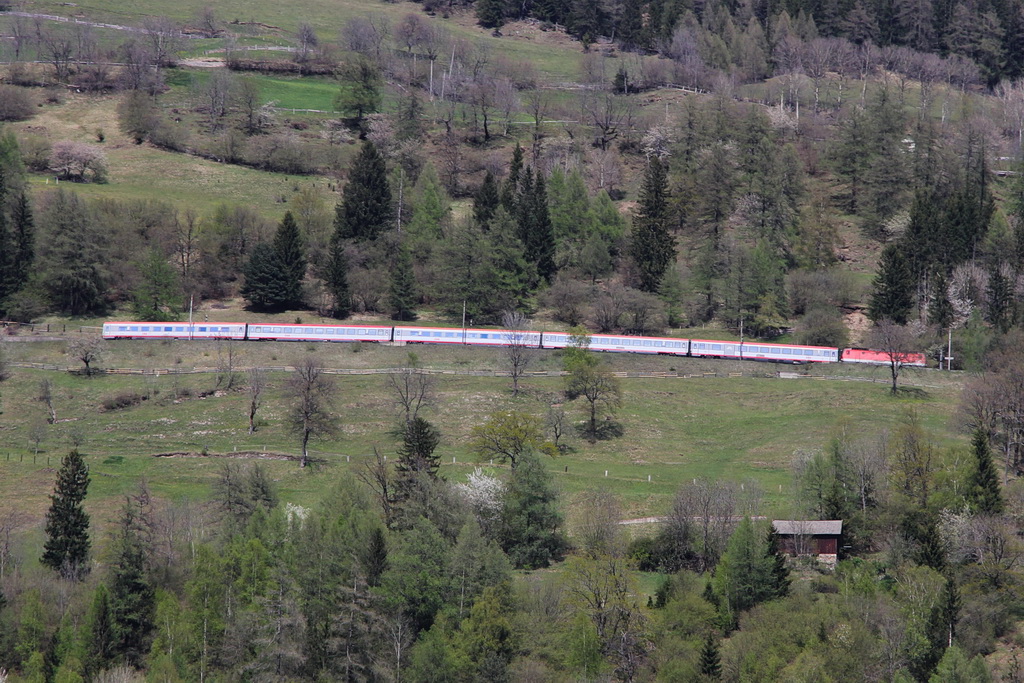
(66, 549)
(893, 295)
(710, 660)
(530, 522)
(999, 295)
(490, 13)
(7, 249)
(266, 285)
(402, 294)
(292, 257)
(419, 441)
(940, 309)
(365, 208)
(778, 570)
(157, 294)
(132, 598)
(337, 280)
(983, 491)
(652, 247)
(99, 632)
(486, 201)
(510, 189)
(535, 226)
(72, 257)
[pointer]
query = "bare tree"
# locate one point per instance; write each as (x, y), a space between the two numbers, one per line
(257, 385)
(88, 350)
(898, 343)
(10, 522)
(518, 346)
(308, 41)
(165, 39)
(227, 353)
(594, 520)
(217, 96)
(379, 476)
(37, 435)
(46, 397)
(411, 388)
(699, 524)
(557, 423)
(58, 48)
(600, 388)
(312, 394)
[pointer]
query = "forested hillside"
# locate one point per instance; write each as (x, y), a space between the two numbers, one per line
(828, 173)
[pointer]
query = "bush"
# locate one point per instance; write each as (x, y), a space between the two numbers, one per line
(123, 400)
(823, 326)
(16, 104)
(35, 152)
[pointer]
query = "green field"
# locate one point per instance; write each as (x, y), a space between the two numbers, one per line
(745, 429)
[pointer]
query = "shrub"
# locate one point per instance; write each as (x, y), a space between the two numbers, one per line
(35, 152)
(123, 400)
(16, 104)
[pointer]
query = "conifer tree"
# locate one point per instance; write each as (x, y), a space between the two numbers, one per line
(490, 13)
(983, 491)
(778, 570)
(291, 254)
(266, 284)
(535, 226)
(653, 247)
(7, 250)
(337, 280)
(67, 525)
(486, 201)
(940, 310)
(510, 189)
(71, 256)
(710, 660)
(402, 295)
(417, 451)
(999, 294)
(365, 208)
(893, 295)
(99, 632)
(157, 293)
(132, 598)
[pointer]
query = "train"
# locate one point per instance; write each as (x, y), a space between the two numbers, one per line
(672, 346)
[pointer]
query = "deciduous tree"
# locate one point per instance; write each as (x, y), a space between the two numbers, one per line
(310, 416)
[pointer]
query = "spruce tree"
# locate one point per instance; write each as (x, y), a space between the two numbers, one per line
(132, 598)
(652, 247)
(402, 295)
(999, 295)
(291, 254)
(99, 632)
(7, 250)
(940, 310)
(983, 493)
(66, 549)
(510, 189)
(893, 295)
(490, 13)
(266, 284)
(778, 570)
(416, 454)
(710, 660)
(365, 208)
(337, 280)
(539, 237)
(72, 257)
(486, 201)
(23, 240)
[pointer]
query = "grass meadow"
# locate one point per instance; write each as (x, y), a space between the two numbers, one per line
(747, 429)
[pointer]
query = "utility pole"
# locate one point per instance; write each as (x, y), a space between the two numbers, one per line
(463, 321)
(949, 351)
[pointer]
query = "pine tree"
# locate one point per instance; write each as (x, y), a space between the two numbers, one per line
(490, 13)
(893, 295)
(653, 247)
(71, 257)
(486, 201)
(99, 632)
(132, 598)
(940, 310)
(778, 570)
(365, 208)
(535, 226)
(291, 255)
(999, 311)
(337, 280)
(416, 454)
(67, 525)
(983, 491)
(266, 284)
(510, 189)
(402, 295)
(710, 660)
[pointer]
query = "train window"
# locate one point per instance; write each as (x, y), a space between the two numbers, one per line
(451, 334)
(168, 329)
(716, 347)
(319, 330)
(647, 343)
(135, 328)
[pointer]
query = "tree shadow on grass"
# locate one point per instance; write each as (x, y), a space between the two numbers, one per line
(606, 430)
